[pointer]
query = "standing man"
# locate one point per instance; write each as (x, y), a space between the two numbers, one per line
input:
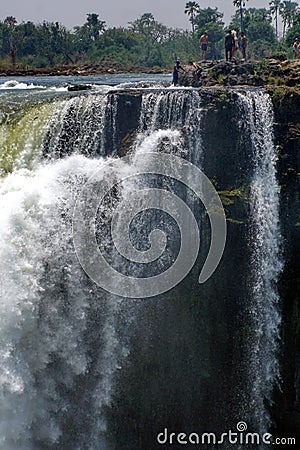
(176, 69)
(229, 44)
(236, 43)
(243, 45)
(203, 43)
(296, 48)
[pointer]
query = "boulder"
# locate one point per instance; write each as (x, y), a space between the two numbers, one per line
(79, 87)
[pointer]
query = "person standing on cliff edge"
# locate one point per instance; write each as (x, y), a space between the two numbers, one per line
(203, 43)
(176, 69)
(229, 43)
(235, 45)
(296, 48)
(243, 45)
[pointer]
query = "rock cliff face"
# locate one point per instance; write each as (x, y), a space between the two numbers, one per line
(221, 114)
(281, 79)
(286, 102)
(287, 133)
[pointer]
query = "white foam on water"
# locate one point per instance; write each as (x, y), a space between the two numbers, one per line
(13, 84)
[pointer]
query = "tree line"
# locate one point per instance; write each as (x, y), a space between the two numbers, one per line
(147, 42)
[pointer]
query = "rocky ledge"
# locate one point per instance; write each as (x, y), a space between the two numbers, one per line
(240, 73)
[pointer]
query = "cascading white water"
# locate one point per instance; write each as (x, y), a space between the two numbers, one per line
(76, 126)
(180, 111)
(264, 240)
(47, 308)
(61, 343)
(46, 300)
(174, 110)
(55, 130)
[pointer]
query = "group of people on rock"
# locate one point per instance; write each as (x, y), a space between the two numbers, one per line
(231, 45)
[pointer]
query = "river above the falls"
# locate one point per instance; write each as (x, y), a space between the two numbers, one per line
(26, 86)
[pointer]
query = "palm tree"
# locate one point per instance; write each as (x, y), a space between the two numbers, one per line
(275, 6)
(11, 23)
(287, 12)
(240, 4)
(95, 25)
(191, 9)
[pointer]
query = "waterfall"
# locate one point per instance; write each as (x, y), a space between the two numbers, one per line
(76, 126)
(21, 135)
(67, 345)
(57, 328)
(174, 110)
(83, 125)
(48, 303)
(266, 263)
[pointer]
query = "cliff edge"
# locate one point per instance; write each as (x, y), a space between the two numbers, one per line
(244, 73)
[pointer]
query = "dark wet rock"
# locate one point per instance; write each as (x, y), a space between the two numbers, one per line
(79, 87)
(293, 81)
(286, 410)
(244, 69)
(255, 80)
(126, 145)
(232, 80)
(222, 68)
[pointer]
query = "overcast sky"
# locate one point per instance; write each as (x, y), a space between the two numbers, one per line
(114, 12)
